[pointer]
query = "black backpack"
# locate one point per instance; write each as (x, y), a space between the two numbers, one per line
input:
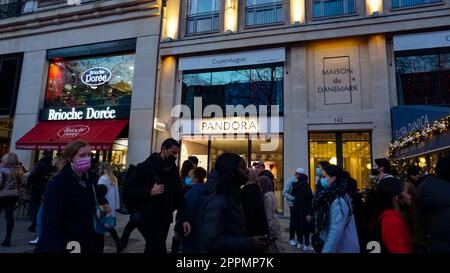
(130, 204)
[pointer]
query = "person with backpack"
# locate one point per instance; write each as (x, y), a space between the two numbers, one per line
(290, 199)
(196, 198)
(12, 182)
(156, 188)
(253, 206)
(388, 227)
(301, 212)
(335, 229)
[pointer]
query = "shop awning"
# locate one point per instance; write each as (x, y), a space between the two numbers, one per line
(54, 135)
(411, 118)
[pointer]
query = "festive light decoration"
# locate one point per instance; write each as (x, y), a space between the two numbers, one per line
(437, 127)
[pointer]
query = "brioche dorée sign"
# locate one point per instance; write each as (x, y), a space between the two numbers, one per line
(86, 113)
(73, 131)
(96, 76)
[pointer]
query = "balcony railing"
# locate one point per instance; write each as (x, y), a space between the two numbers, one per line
(412, 3)
(333, 8)
(11, 10)
(202, 22)
(264, 14)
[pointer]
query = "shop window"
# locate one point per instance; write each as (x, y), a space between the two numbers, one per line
(203, 16)
(351, 151)
(263, 12)
(423, 77)
(67, 88)
(255, 86)
(327, 8)
(10, 68)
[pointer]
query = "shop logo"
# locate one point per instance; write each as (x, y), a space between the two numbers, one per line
(73, 131)
(96, 76)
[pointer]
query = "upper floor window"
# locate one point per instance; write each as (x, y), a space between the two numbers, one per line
(326, 8)
(203, 16)
(261, 12)
(423, 76)
(411, 3)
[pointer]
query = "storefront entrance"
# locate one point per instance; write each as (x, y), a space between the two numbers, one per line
(350, 150)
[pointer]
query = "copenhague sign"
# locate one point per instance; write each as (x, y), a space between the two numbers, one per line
(96, 76)
(85, 113)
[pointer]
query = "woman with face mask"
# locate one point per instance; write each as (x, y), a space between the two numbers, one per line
(224, 228)
(387, 226)
(69, 207)
(333, 218)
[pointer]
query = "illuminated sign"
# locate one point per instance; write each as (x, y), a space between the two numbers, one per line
(86, 113)
(96, 76)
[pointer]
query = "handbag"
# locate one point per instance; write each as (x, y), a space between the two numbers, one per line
(102, 222)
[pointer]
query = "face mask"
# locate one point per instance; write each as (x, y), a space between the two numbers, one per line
(188, 181)
(324, 182)
(318, 171)
(170, 159)
(374, 172)
(82, 165)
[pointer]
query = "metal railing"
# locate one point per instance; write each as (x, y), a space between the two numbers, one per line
(333, 8)
(11, 9)
(264, 14)
(48, 3)
(412, 3)
(202, 22)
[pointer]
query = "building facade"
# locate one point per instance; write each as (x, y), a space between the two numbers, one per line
(84, 69)
(328, 66)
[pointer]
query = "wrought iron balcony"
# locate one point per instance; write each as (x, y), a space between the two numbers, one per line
(202, 22)
(264, 14)
(329, 8)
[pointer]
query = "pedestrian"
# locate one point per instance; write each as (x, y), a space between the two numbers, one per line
(155, 185)
(194, 160)
(12, 182)
(433, 197)
(414, 215)
(70, 204)
(57, 165)
(132, 209)
(335, 229)
(321, 180)
(387, 226)
(108, 179)
(301, 212)
(261, 169)
(290, 201)
(274, 227)
(224, 227)
(382, 169)
(186, 181)
(36, 183)
(253, 206)
(196, 198)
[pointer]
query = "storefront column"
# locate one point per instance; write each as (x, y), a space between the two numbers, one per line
(380, 94)
(142, 102)
(30, 96)
(167, 91)
(295, 114)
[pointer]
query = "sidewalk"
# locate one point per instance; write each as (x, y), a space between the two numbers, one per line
(136, 244)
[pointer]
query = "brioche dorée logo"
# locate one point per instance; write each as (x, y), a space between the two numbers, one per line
(96, 76)
(73, 131)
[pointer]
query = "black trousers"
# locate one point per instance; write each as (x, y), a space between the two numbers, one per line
(9, 204)
(155, 236)
(134, 222)
(291, 224)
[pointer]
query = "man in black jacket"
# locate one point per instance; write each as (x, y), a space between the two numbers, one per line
(155, 186)
(261, 169)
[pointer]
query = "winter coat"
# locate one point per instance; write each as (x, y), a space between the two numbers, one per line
(253, 207)
(287, 191)
(273, 223)
(302, 205)
(196, 198)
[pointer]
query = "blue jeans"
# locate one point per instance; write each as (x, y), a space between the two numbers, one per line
(39, 220)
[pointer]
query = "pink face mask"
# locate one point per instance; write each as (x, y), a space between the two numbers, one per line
(82, 165)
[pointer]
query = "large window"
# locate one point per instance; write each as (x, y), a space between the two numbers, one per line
(326, 8)
(351, 151)
(261, 12)
(241, 86)
(203, 16)
(65, 87)
(412, 3)
(423, 76)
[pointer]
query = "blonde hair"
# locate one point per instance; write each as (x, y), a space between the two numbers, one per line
(10, 160)
(106, 169)
(252, 175)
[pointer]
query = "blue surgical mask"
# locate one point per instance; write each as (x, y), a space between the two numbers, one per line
(318, 171)
(324, 182)
(188, 181)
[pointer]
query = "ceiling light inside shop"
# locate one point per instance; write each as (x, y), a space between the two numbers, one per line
(369, 166)
(330, 142)
(333, 160)
(131, 67)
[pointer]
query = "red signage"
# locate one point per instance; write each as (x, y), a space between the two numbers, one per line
(73, 131)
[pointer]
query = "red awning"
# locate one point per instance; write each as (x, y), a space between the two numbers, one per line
(54, 135)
